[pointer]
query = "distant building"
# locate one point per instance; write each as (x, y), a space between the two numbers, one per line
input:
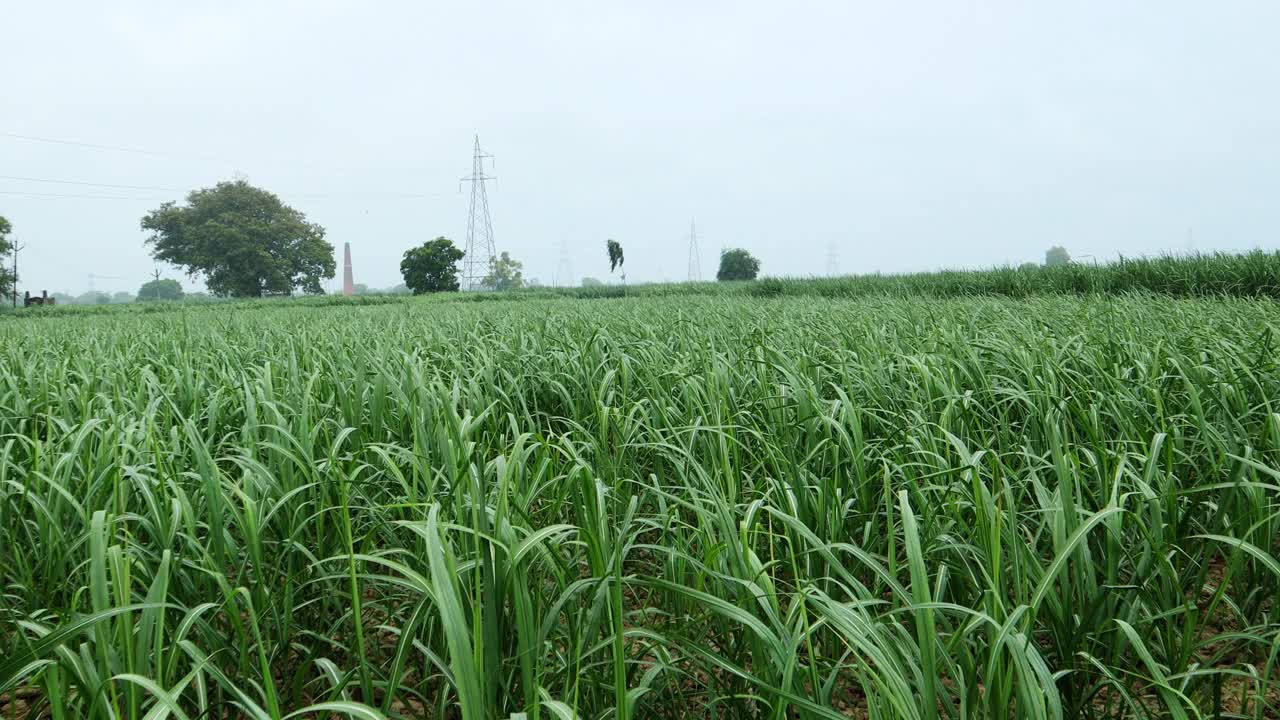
(44, 299)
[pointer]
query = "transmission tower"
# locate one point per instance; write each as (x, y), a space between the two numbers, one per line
(833, 261)
(564, 271)
(695, 262)
(479, 250)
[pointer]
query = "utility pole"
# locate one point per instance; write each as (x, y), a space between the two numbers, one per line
(695, 261)
(480, 250)
(16, 248)
(156, 280)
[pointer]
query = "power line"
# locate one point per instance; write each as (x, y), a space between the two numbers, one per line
(95, 276)
(93, 146)
(76, 196)
(164, 153)
(93, 184)
(169, 153)
(376, 193)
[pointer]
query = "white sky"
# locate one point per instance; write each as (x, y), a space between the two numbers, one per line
(909, 135)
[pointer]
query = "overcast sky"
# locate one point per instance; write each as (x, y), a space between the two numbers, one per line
(905, 135)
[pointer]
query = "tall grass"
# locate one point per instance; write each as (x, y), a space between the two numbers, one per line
(1254, 274)
(674, 507)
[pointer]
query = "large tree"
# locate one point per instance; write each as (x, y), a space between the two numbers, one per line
(504, 273)
(154, 290)
(737, 264)
(431, 267)
(243, 240)
(1057, 255)
(6, 262)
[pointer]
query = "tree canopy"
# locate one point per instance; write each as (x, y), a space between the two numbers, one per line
(431, 267)
(165, 289)
(6, 247)
(505, 273)
(1057, 255)
(737, 264)
(243, 240)
(93, 297)
(615, 254)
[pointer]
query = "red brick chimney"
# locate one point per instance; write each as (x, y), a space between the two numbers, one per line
(348, 282)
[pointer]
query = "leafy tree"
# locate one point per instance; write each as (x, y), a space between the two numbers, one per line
(431, 267)
(591, 282)
(400, 289)
(737, 264)
(243, 240)
(93, 297)
(6, 247)
(154, 290)
(361, 289)
(121, 297)
(615, 254)
(504, 273)
(1057, 255)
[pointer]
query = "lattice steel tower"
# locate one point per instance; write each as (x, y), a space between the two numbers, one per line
(564, 271)
(695, 261)
(479, 250)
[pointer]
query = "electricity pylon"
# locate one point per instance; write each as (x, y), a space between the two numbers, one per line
(479, 252)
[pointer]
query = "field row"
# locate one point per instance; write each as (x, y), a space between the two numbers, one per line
(657, 507)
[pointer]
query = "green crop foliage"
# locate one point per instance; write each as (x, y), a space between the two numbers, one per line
(662, 506)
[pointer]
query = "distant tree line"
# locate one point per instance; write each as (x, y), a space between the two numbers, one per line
(243, 242)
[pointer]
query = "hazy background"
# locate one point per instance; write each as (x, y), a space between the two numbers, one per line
(908, 135)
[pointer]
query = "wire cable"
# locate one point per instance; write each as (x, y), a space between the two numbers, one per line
(94, 184)
(20, 193)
